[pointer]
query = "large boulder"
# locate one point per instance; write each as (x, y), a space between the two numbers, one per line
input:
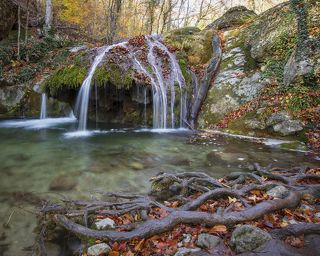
(247, 238)
(235, 16)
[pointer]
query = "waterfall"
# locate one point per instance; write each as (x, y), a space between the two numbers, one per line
(43, 114)
(159, 91)
(82, 102)
(163, 85)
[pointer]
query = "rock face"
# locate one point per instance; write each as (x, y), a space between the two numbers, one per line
(247, 238)
(256, 57)
(304, 63)
(9, 11)
(98, 249)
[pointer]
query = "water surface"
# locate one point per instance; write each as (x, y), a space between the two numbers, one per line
(49, 158)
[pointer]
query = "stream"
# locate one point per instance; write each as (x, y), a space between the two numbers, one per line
(49, 158)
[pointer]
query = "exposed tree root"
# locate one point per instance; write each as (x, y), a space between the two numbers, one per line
(191, 191)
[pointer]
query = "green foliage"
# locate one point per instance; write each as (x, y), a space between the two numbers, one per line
(112, 73)
(39, 50)
(69, 77)
(184, 68)
(25, 75)
(299, 98)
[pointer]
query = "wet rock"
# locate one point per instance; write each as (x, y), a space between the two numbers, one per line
(278, 192)
(63, 183)
(208, 241)
(10, 96)
(247, 238)
(105, 223)
(136, 165)
(186, 251)
(288, 127)
(277, 117)
(98, 249)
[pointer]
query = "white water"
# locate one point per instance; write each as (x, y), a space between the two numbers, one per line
(37, 123)
(159, 91)
(178, 77)
(82, 102)
(43, 114)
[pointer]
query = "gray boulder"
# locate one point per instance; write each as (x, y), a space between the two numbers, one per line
(98, 249)
(255, 124)
(277, 117)
(288, 127)
(278, 192)
(235, 16)
(247, 238)
(208, 241)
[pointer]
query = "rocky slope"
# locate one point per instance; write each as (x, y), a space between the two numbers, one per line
(265, 83)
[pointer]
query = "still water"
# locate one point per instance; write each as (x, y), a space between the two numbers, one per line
(48, 159)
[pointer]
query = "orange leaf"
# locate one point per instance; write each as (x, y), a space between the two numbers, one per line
(218, 229)
(113, 253)
(138, 246)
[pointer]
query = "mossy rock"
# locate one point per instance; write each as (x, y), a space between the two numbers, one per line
(197, 44)
(234, 17)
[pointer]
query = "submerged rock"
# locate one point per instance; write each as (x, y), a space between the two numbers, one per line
(105, 223)
(278, 192)
(63, 183)
(247, 238)
(136, 165)
(98, 249)
(208, 241)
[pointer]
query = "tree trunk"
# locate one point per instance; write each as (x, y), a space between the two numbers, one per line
(19, 32)
(48, 17)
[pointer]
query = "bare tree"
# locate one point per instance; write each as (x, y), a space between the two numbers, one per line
(113, 13)
(48, 17)
(19, 31)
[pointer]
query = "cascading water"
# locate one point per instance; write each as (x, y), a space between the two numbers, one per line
(159, 84)
(43, 113)
(82, 102)
(178, 77)
(159, 92)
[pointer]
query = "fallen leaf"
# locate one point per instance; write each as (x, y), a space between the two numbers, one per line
(218, 229)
